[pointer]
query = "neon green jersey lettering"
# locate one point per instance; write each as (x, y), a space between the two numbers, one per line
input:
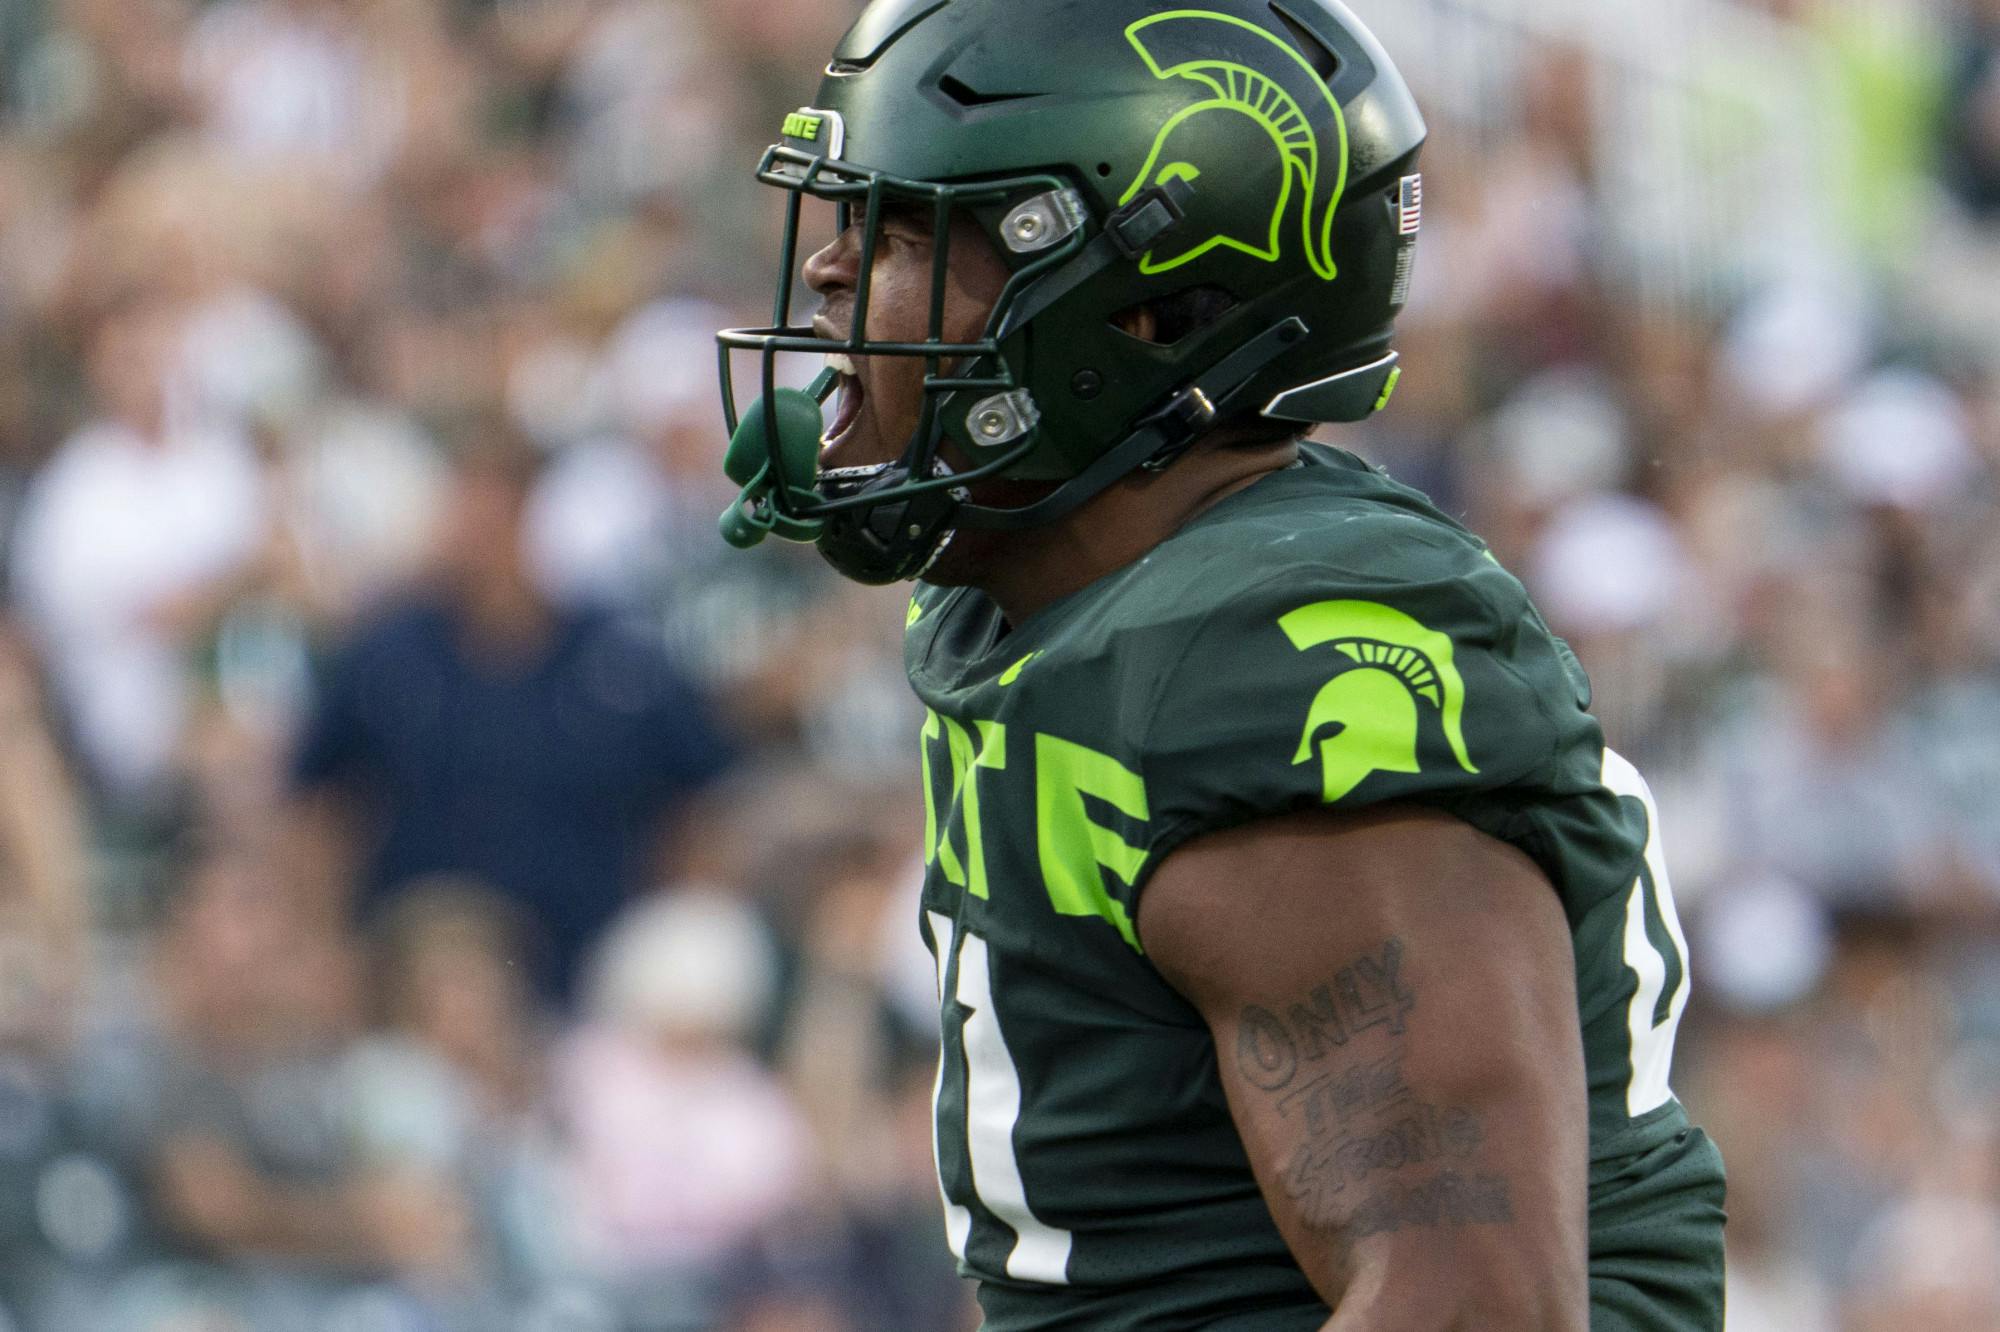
(1075, 850)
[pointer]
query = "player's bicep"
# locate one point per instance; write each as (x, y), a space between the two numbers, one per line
(1393, 1003)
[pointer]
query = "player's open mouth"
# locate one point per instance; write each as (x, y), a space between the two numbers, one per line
(846, 403)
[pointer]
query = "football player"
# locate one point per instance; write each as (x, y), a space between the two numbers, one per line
(1305, 959)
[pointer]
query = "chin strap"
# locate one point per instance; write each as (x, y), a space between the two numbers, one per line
(1158, 440)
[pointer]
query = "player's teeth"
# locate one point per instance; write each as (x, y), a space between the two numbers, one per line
(841, 362)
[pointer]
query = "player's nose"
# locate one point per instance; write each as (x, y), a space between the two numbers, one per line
(833, 268)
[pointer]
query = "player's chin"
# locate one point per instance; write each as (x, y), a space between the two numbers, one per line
(967, 553)
(973, 552)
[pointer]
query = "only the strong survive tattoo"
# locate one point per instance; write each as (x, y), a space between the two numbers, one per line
(1372, 1157)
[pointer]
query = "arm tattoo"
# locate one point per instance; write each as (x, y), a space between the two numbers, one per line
(1366, 993)
(1333, 1062)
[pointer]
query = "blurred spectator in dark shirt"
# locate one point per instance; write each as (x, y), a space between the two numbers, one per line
(474, 727)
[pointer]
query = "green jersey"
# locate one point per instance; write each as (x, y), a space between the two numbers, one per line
(1323, 637)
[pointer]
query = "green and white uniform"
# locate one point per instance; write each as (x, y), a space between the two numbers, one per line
(1325, 636)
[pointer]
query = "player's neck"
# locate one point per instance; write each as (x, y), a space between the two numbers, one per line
(1043, 565)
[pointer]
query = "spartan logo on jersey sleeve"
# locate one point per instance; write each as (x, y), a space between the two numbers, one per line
(1262, 106)
(1367, 718)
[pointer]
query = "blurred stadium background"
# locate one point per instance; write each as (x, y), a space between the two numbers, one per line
(442, 888)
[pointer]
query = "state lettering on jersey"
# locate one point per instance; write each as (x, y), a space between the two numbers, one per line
(983, 745)
(1366, 719)
(1075, 846)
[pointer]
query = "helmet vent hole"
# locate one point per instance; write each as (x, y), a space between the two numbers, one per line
(967, 96)
(1324, 62)
(1104, 168)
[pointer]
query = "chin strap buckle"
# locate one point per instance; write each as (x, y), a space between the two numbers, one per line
(1192, 412)
(1185, 419)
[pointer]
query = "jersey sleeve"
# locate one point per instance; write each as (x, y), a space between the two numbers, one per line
(1316, 687)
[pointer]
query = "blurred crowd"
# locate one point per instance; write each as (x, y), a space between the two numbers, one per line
(443, 887)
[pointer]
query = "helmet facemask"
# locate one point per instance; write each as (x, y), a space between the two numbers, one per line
(885, 521)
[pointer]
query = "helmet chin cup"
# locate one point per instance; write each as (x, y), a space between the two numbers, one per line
(888, 542)
(792, 418)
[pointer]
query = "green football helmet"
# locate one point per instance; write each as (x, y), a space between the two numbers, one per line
(1256, 157)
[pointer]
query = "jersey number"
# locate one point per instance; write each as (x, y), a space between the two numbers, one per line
(992, 1108)
(1655, 950)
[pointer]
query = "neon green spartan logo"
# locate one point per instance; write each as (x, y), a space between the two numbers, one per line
(1258, 105)
(1372, 712)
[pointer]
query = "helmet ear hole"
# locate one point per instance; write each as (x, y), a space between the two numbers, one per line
(1172, 319)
